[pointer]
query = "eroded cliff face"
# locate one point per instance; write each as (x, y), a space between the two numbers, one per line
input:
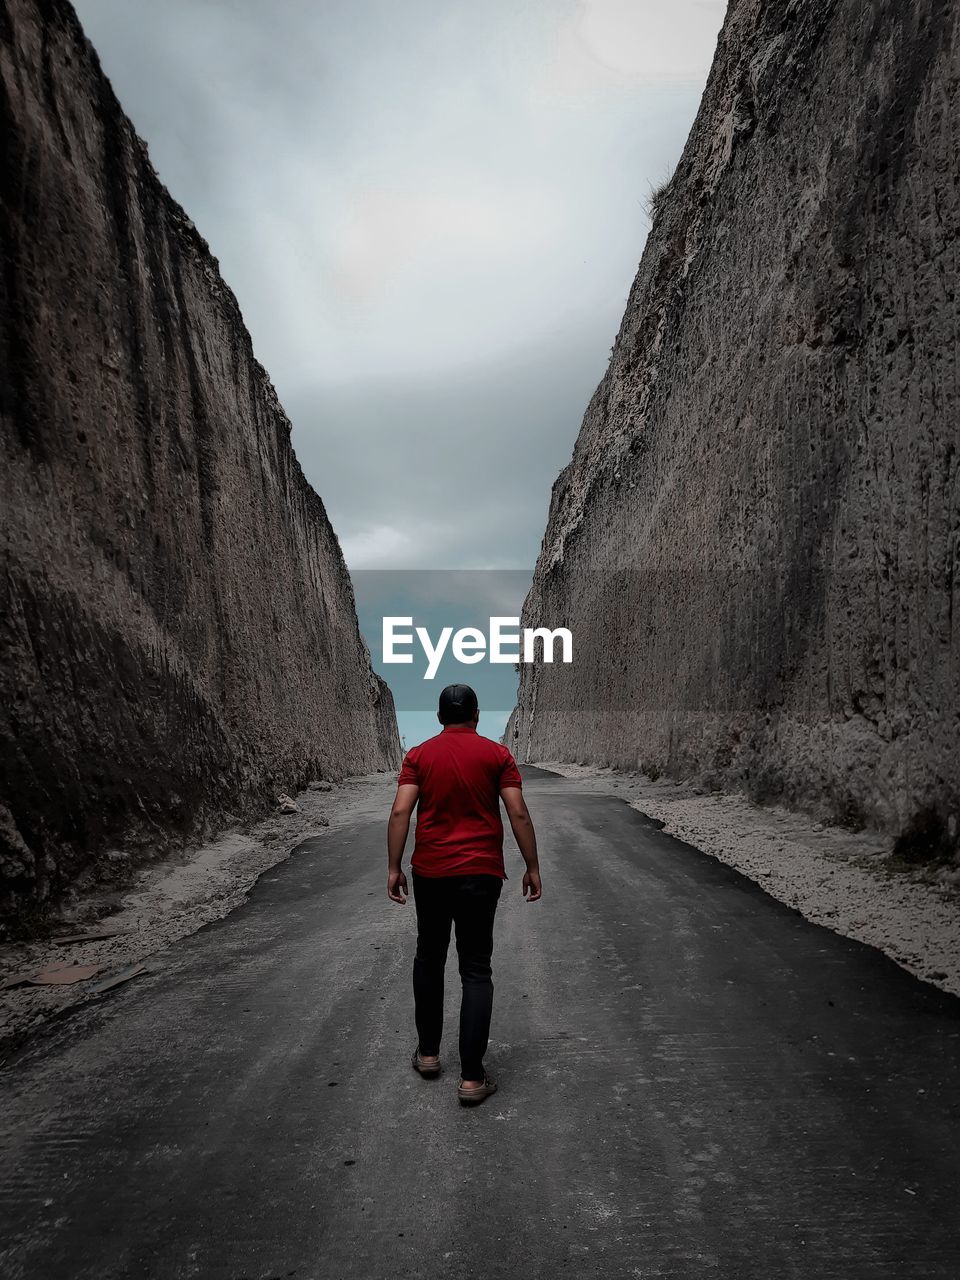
(757, 542)
(178, 627)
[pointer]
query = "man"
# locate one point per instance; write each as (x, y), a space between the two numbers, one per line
(456, 782)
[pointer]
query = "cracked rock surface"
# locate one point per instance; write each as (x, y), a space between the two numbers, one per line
(177, 624)
(756, 541)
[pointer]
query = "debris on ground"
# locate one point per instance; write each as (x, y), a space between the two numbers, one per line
(320, 784)
(287, 803)
(116, 979)
(55, 976)
(89, 935)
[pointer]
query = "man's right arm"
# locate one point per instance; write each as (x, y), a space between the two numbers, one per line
(522, 826)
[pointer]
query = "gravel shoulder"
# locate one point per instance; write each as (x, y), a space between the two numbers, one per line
(844, 880)
(166, 901)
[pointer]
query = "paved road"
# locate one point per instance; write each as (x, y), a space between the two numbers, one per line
(694, 1082)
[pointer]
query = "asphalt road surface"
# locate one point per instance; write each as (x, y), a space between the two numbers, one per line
(695, 1082)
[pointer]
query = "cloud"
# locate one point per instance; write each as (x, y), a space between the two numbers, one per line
(431, 214)
(384, 235)
(450, 469)
(620, 44)
(377, 546)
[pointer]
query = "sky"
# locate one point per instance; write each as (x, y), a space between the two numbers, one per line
(431, 213)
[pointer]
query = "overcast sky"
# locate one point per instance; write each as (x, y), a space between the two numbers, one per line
(431, 213)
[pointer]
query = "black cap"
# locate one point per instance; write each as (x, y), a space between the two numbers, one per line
(458, 704)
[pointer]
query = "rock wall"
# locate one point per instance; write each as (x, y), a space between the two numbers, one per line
(178, 629)
(757, 542)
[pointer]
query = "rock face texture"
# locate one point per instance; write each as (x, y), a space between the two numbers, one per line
(757, 542)
(178, 629)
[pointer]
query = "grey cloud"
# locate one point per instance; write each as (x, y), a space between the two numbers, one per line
(430, 213)
(459, 467)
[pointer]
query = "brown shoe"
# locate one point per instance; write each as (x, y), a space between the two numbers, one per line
(426, 1069)
(470, 1097)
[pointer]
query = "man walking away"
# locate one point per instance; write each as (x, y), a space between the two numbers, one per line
(456, 782)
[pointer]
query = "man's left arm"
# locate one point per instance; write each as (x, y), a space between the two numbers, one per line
(398, 828)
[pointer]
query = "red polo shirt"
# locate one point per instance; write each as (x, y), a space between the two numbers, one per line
(460, 775)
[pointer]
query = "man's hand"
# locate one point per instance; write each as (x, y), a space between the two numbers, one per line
(526, 838)
(397, 829)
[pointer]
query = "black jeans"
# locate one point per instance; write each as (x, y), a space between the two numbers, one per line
(469, 902)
